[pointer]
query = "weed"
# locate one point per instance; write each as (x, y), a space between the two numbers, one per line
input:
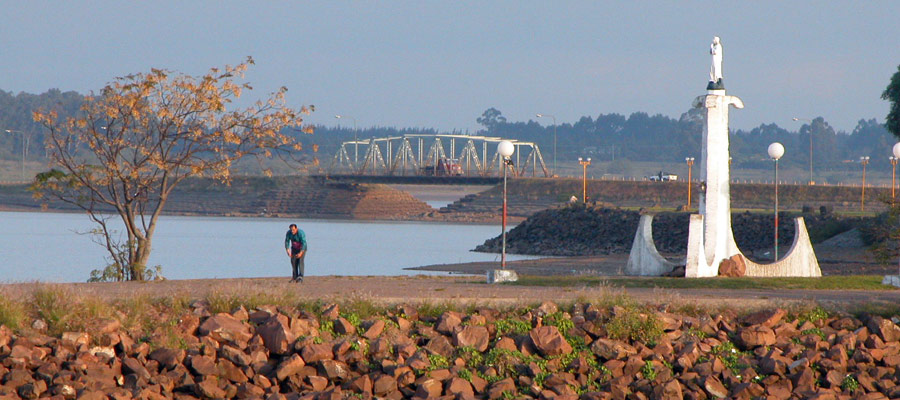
(54, 305)
(730, 356)
(512, 325)
(814, 331)
(635, 325)
(849, 384)
(696, 333)
(437, 362)
(465, 374)
(12, 313)
(648, 371)
(470, 355)
(352, 318)
(815, 315)
(559, 320)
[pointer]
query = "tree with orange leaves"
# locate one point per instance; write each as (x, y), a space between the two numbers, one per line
(131, 145)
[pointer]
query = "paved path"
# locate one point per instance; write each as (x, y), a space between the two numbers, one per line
(468, 289)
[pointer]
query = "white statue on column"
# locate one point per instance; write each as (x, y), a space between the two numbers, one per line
(715, 70)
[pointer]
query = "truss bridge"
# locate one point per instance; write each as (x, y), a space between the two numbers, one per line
(440, 155)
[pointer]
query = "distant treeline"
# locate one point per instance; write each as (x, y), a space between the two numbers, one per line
(637, 137)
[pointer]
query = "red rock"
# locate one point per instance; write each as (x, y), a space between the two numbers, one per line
(334, 370)
(384, 384)
(316, 352)
(478, 383)
(373, 329)
(768, 318)
(231, 372)
(754, 336)
(804, 380)
(473, 336)
(429, 389)
(225, 328)
(208, 387)
(235, 355)
(276, 334)
(502, 388)
(76, 338)
(440, 345)
(549, 341)
(32, 390)
(318, 383)
(248, 390)
(448, 322)
(612, 349)
(714, 388)
(331, 312)
(362, 384)
(167, 358)
(289, 367)
(459, 387)
(886, 330)
(343, 327)
(733, 266)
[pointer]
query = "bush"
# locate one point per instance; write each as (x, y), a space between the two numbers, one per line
(631, 323)
(12, 313)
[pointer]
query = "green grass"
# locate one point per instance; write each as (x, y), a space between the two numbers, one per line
(849, 282)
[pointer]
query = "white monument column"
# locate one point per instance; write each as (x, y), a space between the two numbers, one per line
(715, 198)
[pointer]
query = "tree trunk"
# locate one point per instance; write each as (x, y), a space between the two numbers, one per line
(139, 264)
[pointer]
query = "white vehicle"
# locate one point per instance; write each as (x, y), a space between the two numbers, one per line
(663, 177)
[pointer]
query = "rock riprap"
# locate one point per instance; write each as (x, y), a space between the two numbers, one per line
(582, 351)
(579, 230)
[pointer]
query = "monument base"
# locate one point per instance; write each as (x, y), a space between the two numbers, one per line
(893, 280)
(502, 275)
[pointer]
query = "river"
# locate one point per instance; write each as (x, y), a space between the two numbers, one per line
(47, 247)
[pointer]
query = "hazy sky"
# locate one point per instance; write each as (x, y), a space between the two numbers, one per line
(442, 63)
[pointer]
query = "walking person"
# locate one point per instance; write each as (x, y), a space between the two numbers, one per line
(295, 246)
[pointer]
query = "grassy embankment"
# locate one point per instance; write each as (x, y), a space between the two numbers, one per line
(154, 319)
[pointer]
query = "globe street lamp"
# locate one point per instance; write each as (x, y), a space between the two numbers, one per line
(584, 164)
(811, 182)
(690, 164)
(25, 139)
(355, 142)
(894, 159)
(554, 137)
(862, 203)
(776, 150)
(506, 149)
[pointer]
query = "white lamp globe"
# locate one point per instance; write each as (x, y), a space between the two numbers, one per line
(506, 149)
(776, 150)
(896, 150)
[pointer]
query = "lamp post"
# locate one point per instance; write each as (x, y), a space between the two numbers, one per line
(776, 150)
(355, 141)
(690, 164)
(554, 137)
(25, 140)
(894, 159)
(506, 149)
(862, 202)
(811, 182)
(584, 164)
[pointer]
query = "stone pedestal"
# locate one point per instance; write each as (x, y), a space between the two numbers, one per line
(502, 275)
(893, 280)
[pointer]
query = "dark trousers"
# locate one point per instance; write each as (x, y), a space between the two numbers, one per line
(297, 266)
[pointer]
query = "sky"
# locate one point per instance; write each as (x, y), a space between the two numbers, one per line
(441, 64)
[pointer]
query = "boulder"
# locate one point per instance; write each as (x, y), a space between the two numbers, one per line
(276, 334)
(768, 318)
(549, 341)
(755, 336)
(312, 353)
(288, 367)
(225, 328)
(473, 336)
(733, 266)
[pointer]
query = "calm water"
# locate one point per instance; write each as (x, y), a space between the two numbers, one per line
(46, 247)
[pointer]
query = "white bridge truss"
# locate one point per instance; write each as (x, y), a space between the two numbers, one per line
(411, 155)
